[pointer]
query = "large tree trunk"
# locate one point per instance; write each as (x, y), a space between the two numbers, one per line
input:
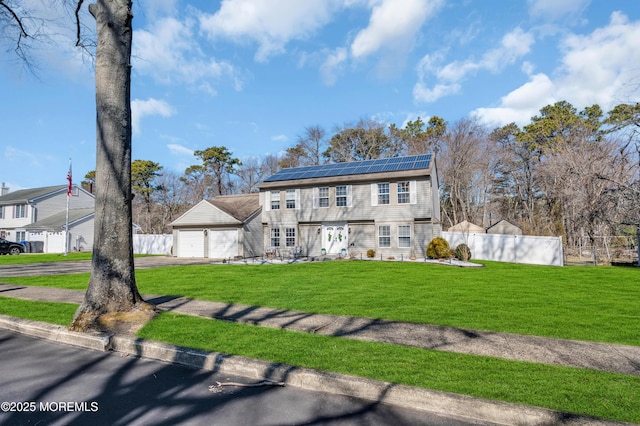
(112, 286)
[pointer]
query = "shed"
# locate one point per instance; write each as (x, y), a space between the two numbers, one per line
(225, 227)
(504, 227)
(467, 227)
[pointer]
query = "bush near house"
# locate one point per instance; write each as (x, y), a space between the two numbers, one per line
(438, 248)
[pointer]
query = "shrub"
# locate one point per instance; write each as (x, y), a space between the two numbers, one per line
(371, 253)
(463, 252)
(438, 248)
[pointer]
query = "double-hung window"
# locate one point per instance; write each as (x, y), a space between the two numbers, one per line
(383, 193)
(275, 237)
(21, 211)
(290, 199)
(404, 193)
(290, 237)
(275, 200)
(384, 236)
(323, 196)
(404, 235)
(1, 212)
(342, 196)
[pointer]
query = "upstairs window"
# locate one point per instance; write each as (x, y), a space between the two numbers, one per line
(383, 193)
(275, 200)
(404, 192)
(343, 196)
(21, 211)
(291, 199)
(323, 197)
(1, 212)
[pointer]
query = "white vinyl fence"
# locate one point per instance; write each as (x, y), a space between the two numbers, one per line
(510, 248)
(152, 244)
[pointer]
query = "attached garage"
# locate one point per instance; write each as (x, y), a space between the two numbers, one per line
(217, 229)
(189, 243)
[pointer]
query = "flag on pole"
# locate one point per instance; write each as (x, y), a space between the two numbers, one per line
(70, 186)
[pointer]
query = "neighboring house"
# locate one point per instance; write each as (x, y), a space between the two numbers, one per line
(504, 227)
(225, 227)
(50, 231)
(467, 227)
(389, 205)
(26, 207)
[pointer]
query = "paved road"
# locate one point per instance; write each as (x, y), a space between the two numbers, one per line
(68, 385)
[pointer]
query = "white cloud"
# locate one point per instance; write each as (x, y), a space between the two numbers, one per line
(269, 23)
(513, 46)
(555, 9)
(332, 65)
(597, 68)
(169, 52)
(393, 25)
(177, 149)
(141, 109)
(279, 138)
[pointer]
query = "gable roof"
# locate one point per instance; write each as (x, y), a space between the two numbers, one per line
(466, 226)
(354, 168)
(240, 207)
(58, 221)
(24, 196)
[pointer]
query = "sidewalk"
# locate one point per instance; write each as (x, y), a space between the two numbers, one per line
(598, 356)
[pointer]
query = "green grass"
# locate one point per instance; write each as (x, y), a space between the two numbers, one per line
(581, 391)
(43, 257)
(51, 312)
(583, 303)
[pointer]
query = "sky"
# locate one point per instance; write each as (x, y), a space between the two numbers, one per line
(251, 75)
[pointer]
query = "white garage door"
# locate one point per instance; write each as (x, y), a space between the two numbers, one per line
(191, 243)
(223, 243)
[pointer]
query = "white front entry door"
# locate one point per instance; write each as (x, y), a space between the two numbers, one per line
(335, 237)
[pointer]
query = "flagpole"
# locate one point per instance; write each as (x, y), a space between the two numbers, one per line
(66, 227)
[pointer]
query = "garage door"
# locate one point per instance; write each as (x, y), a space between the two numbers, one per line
(223, 243)
(191, 243)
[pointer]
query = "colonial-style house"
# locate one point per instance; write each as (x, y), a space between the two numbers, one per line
(28, 215)
(225, 227)
(388, 205)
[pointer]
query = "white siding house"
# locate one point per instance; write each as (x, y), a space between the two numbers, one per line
(388, 205)
(34, 215)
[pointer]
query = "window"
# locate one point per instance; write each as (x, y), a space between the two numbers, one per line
(275, 200)
(341, 196)
(384, 236)
(383, 193)
(275, 237)
(21, 211)
(1, 212)
(21, 236)
(404, 236)
(290, 199)
(323, 197)
(404, 191)
(290, 237)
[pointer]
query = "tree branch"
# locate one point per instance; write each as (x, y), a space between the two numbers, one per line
(77, 13)
(23, 32)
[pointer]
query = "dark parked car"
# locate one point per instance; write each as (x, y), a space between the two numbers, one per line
(9, 247)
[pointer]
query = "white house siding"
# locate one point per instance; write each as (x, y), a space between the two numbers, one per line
(361, 217)
(47, 206)
(253, 238)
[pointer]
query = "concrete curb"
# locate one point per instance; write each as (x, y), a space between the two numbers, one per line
(381, 392)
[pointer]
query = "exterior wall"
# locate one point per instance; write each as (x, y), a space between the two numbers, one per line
(252, 237)
(362, 217)
(504, 227)
(81, 236)
(57, 203)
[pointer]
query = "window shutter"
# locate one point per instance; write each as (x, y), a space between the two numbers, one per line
(349, 196)
(316, 198)
(267, 201)
(298, 199)
(374, 194)
(413, 194)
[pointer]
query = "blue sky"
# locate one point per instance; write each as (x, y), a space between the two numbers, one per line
(252, 74)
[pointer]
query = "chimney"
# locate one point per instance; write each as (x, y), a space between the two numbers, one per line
(4, 190)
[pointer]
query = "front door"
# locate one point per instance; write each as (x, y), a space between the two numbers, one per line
(335, 237)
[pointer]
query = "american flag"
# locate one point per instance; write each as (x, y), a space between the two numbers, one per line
(70, 186)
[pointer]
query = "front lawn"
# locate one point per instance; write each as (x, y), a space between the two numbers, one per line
(583, 303)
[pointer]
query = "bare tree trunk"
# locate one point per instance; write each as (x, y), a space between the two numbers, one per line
(112, 286)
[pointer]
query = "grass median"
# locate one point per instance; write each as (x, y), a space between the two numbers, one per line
(581, 391)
